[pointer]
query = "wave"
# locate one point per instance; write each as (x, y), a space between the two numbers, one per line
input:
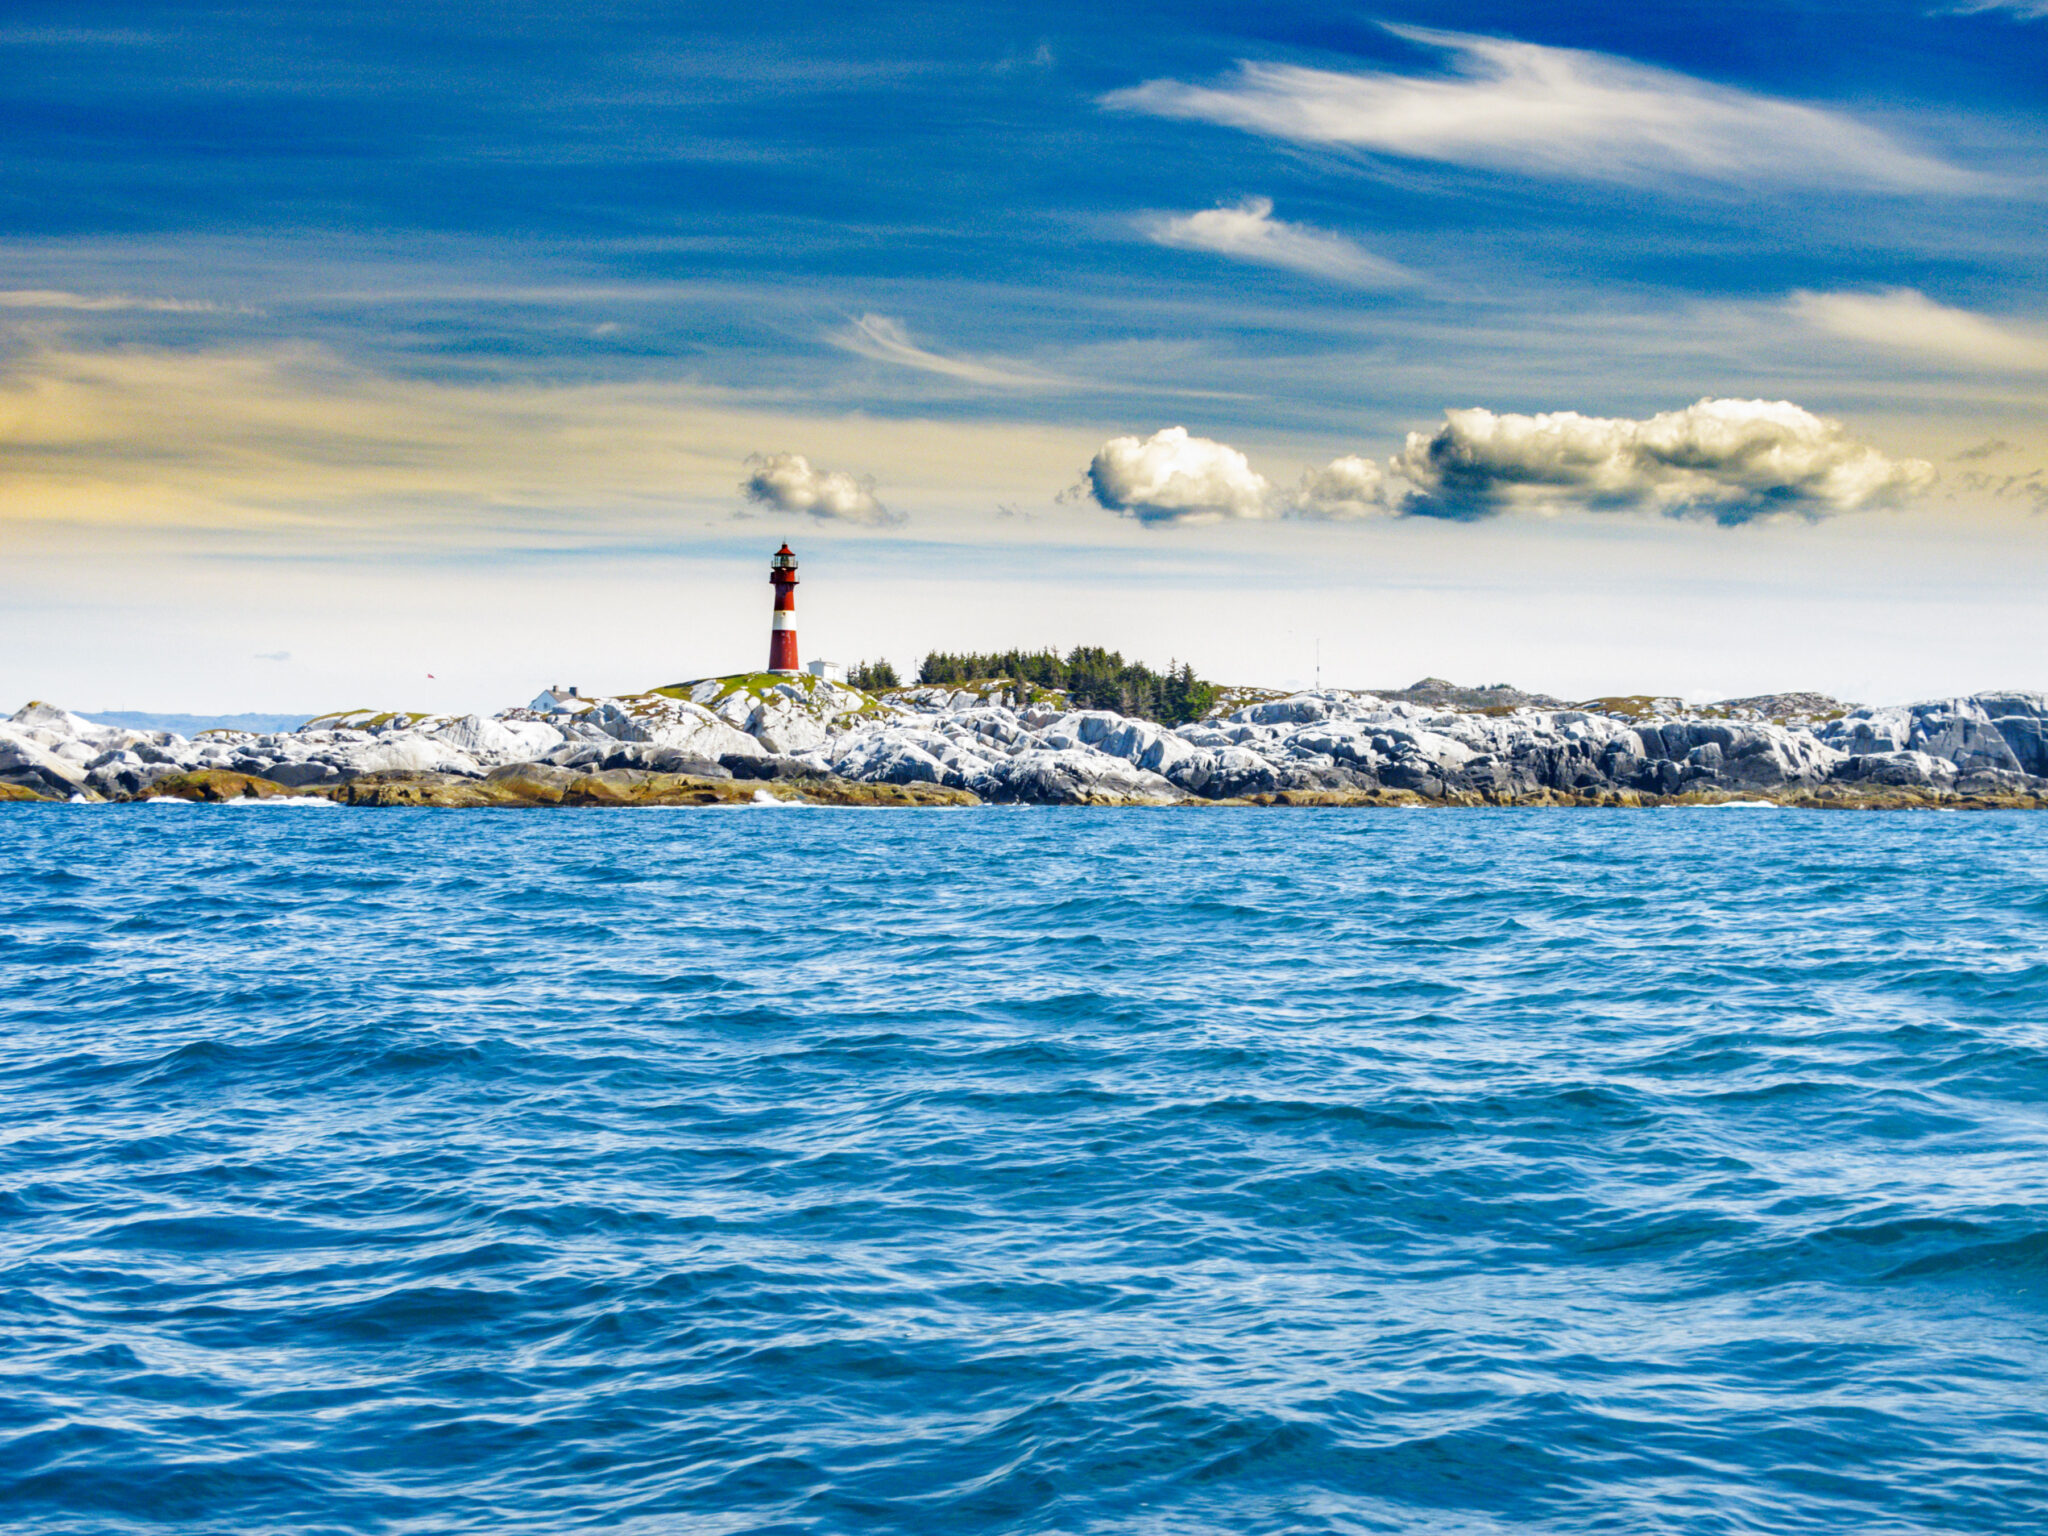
(1023, 1171)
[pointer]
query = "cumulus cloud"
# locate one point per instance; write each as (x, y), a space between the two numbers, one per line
(1171, 477)
(1249, 232)
(1906, 320)
(1730, 460)
(887, 341)
(1343, 490)
(1556, 111)
(789, 482)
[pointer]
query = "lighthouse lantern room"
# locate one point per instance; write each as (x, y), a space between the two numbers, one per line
(782, 637)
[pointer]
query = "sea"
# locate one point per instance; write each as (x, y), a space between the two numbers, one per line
(786, 1170)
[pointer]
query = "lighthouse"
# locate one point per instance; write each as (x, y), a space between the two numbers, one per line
(782, 637)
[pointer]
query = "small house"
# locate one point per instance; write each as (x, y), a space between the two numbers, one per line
(555, 699)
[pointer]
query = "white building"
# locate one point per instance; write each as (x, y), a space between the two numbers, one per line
(556, 698)
(831, 671)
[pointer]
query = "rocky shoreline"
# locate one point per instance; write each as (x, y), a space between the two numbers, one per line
(764, 739)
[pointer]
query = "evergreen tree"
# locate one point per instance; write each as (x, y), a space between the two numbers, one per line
(874, 677)
(1090, 676)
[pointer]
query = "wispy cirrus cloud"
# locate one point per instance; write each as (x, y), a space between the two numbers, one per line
(57, 298)
(1249, 232)
(1906, 320)
(1562, 112)
(888, 341)
(1990, 448)
(2025, 10)
(307, 449)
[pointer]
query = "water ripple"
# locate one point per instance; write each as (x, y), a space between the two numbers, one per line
(1022, 1171)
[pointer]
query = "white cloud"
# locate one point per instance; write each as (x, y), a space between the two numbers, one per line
(1734, 461)
(1343, 490)
(1171, 477)
(887, 341)
(1731, 461)
(2026, 10)
(788, 482)
(1906, 320)
(1557, 111)
(55, 298)
(1249, 232)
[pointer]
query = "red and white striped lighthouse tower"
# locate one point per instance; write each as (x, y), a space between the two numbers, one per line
(782, 638)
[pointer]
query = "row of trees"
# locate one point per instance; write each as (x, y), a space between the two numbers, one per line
(1092, 677)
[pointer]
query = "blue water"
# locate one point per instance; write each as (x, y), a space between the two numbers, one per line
(1022, 1171)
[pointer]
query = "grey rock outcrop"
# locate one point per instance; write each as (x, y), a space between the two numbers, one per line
(2022, 720)
(2005, 732)
(1010, 749)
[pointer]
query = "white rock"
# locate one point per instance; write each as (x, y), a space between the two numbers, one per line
(1079, 777)
(1299, 709)
(60, 723)
(478, 737)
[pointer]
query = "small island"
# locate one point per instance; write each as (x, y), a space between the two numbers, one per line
(1081, 729)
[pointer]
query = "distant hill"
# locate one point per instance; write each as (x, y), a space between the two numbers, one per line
(191, 725)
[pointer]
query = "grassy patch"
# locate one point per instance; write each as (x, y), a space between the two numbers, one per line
(367, 720)
(759, 687)
(1641, 706)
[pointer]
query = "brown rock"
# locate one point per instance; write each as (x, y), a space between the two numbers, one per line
(636, 786)
(824, 791)
(214, 785)
(533, 783)
(632, 786)
(404, 787)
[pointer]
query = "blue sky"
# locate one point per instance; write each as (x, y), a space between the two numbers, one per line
(394, 339)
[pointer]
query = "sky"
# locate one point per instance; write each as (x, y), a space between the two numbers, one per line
(423, 355)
